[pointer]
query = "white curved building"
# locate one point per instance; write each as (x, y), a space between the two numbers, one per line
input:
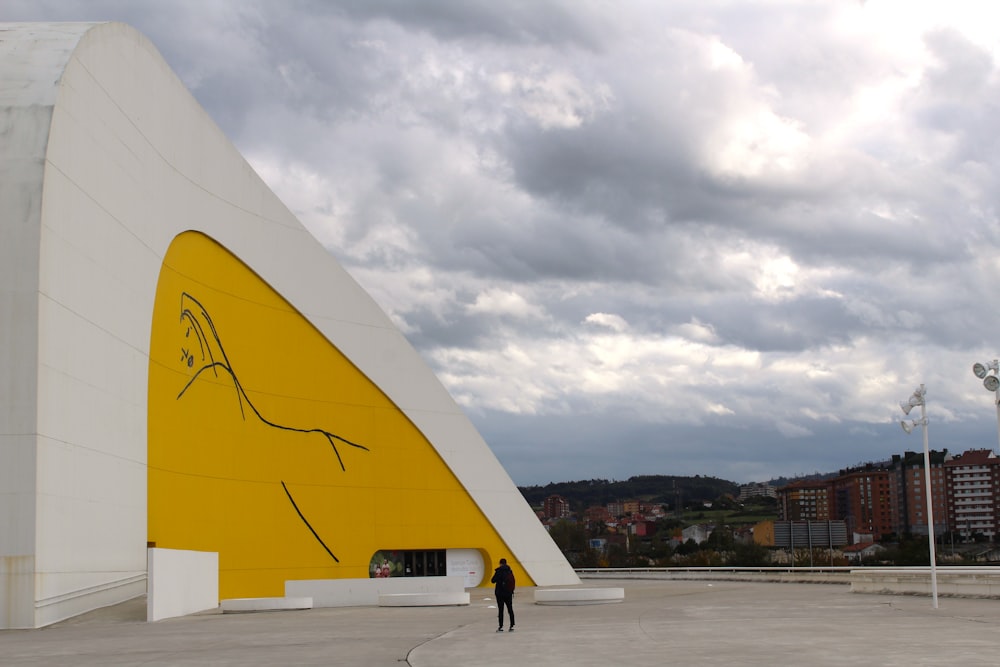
(182, 365)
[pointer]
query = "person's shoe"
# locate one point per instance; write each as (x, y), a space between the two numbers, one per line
(499, 629)
(510, 629)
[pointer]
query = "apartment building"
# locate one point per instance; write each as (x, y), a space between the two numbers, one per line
(555, 507)
(755, 489)
(890, 498)
(630, 507)
(805, 500)
(910, 494)
(862, 498)
(973, 483)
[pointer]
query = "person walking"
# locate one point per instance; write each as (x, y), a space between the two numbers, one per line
(503, 577)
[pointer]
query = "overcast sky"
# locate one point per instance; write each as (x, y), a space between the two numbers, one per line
(686, 237)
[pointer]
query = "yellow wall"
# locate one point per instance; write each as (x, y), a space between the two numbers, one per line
(246, 395)
(763, 533)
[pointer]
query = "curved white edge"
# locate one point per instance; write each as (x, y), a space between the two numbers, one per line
(131, 161)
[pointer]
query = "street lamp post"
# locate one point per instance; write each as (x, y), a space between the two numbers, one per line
(918, 399)
(988, 373)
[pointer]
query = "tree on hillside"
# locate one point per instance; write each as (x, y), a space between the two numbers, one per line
(664, 489)
(750, 554)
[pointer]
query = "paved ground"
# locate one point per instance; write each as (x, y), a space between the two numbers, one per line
(660, 622)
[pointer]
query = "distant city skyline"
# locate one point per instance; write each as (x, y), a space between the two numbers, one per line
(806, 475)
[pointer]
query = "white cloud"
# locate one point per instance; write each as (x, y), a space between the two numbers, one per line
(553, 99)
(608, 320)
(697, 331)
(505, 302)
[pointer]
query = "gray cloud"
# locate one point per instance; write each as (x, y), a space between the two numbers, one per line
(521, 22)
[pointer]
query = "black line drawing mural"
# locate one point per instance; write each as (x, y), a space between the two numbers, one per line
(206, 354)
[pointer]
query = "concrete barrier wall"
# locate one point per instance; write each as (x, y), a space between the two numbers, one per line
(983, 582)
(978, 582)
(366, 592)
(181, 582)
(774, 575)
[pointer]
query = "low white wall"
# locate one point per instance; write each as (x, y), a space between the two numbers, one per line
(181, 582)
(968, 582)
(366, 592)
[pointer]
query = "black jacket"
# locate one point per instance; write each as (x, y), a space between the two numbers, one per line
(499, 577)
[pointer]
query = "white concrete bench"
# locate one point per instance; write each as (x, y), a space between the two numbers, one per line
(265, 604)
(366, 592)
(423, 599)
(574, 596)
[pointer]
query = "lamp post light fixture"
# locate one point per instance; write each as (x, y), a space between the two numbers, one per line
(989, 373)
(918, 398)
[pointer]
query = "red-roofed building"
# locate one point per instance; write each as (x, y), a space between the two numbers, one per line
(555, 507)
(858, 552)
(596, 514)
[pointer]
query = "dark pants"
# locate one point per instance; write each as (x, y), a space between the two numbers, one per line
(508, 600)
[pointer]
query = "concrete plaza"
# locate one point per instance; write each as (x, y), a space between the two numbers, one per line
(660, 622)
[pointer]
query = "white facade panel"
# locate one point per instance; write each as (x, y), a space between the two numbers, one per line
(18, 454)
(17, 524)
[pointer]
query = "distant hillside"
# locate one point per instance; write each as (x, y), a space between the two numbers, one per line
(779, 482)
(664, 489)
